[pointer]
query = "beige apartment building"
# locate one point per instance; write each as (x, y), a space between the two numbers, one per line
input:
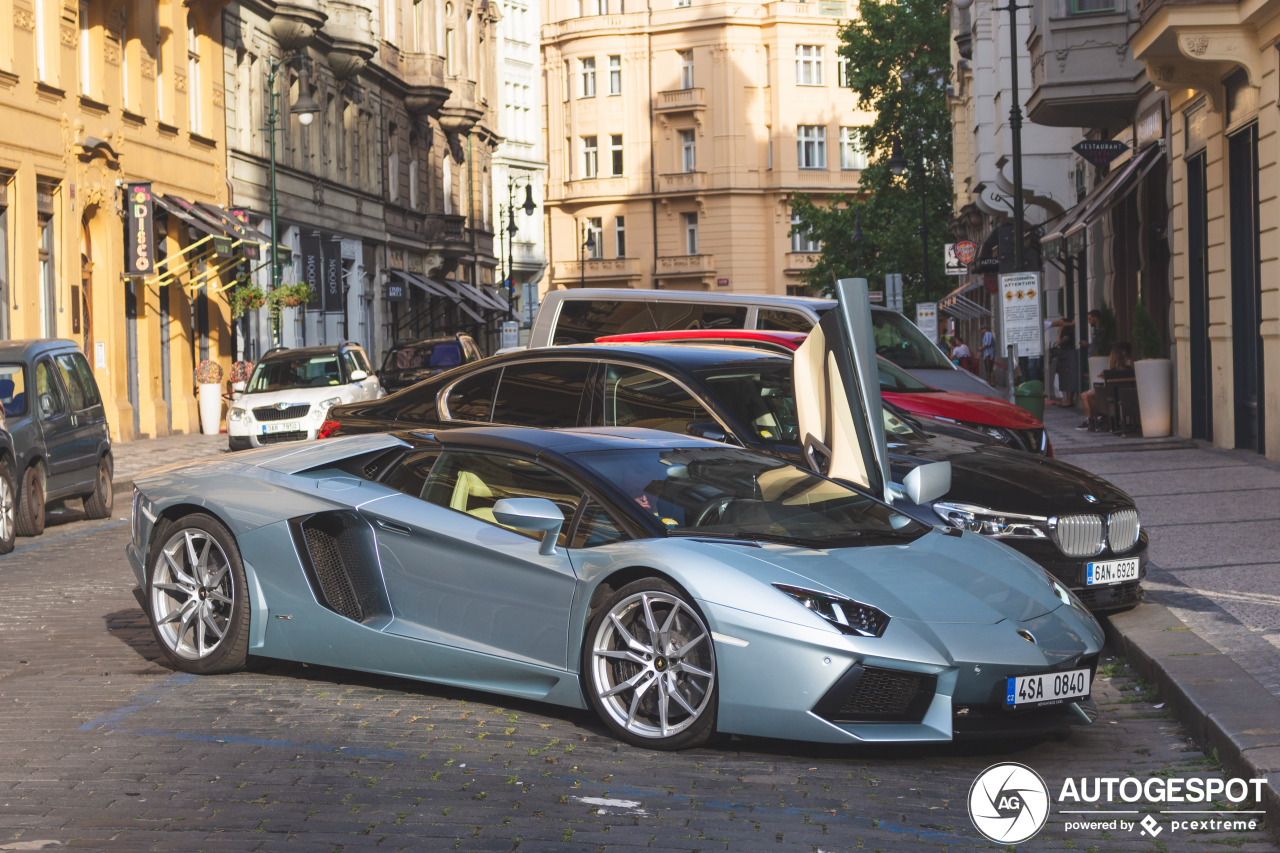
(677, 137)
(95, 95)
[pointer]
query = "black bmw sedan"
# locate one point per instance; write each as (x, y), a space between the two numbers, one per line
(1079, 527)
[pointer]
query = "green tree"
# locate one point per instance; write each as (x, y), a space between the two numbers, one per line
(899, 64)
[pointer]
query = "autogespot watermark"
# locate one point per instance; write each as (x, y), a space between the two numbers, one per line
(1010, 803)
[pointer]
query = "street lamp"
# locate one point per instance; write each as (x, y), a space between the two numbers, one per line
(589, 245)
(897, 165)
(1015, 122)
(528, 207)
(305, 109)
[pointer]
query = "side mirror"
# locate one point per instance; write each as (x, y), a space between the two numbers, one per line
(537, 515)
(710, 430)
(358, 375)
(46, 405)
(925, 484)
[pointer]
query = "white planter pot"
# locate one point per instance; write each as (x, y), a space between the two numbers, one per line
(1153, 377)
(210, 399)
(1097, 364)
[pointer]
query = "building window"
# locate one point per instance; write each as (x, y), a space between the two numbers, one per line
(620, 235)
(595, 228)
(42, 66)
(800, 239)
(590, 157)
(450, 53)
(808, 65)
(589, 77)
(1085, 7)
(843, 72)
(196, 125)
(126, 96)
(48, 280)
(851, 154)
(691, 233)
(686, 69)
(688, 151)
(615, 152)
(86, 53)
(615, 75)
(161, 105)
(811, 146)
(419, 36)
(681, 4)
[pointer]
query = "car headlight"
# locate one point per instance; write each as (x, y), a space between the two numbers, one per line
(849, 616)
(238, 414)
(990, 522)
(321, 409)
(1063, 594)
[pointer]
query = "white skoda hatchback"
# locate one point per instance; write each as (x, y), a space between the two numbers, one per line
(291, 390)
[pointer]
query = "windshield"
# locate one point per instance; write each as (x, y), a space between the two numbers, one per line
(438, 355)
(894, 378)
(898, 340)
(738, 494)
(295, 372)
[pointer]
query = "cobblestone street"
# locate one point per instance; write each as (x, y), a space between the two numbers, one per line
(103, 748)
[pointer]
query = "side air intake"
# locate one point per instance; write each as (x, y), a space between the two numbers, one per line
(339, 556)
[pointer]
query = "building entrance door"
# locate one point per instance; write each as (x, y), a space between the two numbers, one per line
(1200, 355)
(1246, 287)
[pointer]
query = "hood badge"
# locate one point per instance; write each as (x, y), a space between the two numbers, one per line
(1091, 499)
(283, 406)
(1027, 635)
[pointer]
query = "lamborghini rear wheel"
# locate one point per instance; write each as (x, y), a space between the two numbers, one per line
(649, 667)
(196, 591)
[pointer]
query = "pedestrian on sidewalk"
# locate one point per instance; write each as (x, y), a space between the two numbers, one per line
(1068, 363)
(988, 355)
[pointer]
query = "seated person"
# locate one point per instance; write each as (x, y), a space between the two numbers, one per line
(1119, 366)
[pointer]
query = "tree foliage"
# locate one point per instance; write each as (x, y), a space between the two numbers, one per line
(899, 64)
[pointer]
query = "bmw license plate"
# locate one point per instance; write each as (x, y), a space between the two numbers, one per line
(281, 426)
(1047, 688)
(1110, 571)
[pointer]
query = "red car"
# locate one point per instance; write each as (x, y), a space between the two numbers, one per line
(1003, 421)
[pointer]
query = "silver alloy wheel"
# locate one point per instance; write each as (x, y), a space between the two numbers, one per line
(653, 664)
(7, 507)
(192, 594)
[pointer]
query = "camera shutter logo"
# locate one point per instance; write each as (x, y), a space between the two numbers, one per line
(1009, 803)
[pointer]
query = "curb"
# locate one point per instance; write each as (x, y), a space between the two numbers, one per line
(1225, 709)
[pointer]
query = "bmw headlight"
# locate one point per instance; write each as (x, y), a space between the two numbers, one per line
(990, 522)
(321, 409)
(849, 616)
(237, 414)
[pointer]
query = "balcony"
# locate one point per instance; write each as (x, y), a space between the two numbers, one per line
(598, 270)
(681, 101)
(820, 8)
(798, 262)
(446, 228)
(1082, 73)
(594, 188)
(423, 74)
(686, 265)
(683, 182)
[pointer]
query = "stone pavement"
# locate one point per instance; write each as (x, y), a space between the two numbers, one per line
(1213, 517)
(134, 457)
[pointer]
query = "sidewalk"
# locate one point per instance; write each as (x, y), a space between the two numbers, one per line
(1209, 635)
(134, 457)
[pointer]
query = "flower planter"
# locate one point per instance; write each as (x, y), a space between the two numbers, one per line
(210, 401)
(1153, 377)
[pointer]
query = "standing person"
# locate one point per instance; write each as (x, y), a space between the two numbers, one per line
(988, 355)
(1068, 362)
(1093, 319)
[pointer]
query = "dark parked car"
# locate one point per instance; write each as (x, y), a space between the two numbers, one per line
(61, 444)
(1076, 525)
(409, 362)
(8, 491)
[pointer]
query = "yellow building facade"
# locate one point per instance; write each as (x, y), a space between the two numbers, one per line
(1218, 63)
(95, 95)
(677, 137)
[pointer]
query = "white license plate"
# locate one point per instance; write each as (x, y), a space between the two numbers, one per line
(1048, 688)
(1110, 571)
(281, 426)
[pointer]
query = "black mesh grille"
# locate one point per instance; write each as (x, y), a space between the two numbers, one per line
(281, 437)
(1103, 597)
(874, 695)
(340, 555)
(271, 413)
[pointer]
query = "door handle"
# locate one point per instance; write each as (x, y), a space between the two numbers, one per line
(392, 527)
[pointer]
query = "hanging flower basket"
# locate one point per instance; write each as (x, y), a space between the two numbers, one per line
(291, 295)
(244, 299)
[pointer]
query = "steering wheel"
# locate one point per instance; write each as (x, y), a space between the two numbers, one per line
(713, 508)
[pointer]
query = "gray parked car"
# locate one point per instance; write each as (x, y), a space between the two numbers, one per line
(61, 444)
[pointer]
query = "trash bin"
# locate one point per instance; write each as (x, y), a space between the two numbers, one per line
(1030, 396)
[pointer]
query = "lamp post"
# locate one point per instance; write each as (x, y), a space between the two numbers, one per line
(897, 165)
(305, 109)
(1015, 122)
(589, 246)
(528, 207)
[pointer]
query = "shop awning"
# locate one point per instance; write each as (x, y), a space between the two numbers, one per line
(434, 288)
(963, 308)
(479, 297)
(1099, 200)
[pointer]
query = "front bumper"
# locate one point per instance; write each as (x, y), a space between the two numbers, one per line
(1072, 572)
